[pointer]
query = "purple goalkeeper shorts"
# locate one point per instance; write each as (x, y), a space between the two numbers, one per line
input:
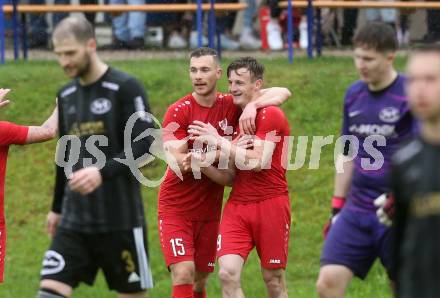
(355, 240)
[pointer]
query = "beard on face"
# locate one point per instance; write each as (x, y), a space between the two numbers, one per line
(83, 68)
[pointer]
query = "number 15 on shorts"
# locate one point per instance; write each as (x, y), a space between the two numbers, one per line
(177, 246)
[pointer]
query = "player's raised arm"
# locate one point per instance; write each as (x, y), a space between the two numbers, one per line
(273, 96)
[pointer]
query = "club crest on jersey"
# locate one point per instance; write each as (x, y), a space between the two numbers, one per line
(224, 126)
(100, 106)
(389, 114)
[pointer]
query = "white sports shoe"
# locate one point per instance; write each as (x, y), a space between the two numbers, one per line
(176, 41)
(248, 41)
(274, 38)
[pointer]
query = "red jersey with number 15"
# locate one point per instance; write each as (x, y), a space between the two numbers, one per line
(251, 186)
(9, 134)
(190, 198)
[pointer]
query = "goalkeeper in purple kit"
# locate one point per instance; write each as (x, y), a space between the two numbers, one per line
(377, 117)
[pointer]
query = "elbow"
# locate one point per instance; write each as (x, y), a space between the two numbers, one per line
(287, 93)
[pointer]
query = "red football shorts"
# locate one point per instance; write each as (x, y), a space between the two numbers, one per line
(186, 240)
(264, 224)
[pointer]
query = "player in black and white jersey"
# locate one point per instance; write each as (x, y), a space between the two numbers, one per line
(97, 218)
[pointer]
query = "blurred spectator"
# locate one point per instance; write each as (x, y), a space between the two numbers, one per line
(176, 26)
(386, 15)
(433, 22)
(38, 25)
(247, 39)
(273, 27)
(224, 23)
(91, 15)
(129, 27)
(349, 25)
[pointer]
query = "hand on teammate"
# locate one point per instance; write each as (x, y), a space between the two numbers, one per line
(245, 141)
(52, 221)
(337, 204)
(201, 129)
(3, 101)
(247, 119)
(85, 180)
(385, 211)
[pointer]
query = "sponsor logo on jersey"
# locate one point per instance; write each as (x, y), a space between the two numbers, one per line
(274, 261)
(385, 130)
(211, 264)
(205, 149)
(100, 106)
(53, 263)
(389, 115)
(133, 277)
(354, 113)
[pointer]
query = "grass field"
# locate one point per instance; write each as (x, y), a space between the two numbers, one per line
(314, 110)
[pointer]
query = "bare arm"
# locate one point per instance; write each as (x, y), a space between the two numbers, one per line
(222, 177)
(44, 132)
(256, 158)
(274, 96)
(219, 176)
(177, 156)
(343, 178)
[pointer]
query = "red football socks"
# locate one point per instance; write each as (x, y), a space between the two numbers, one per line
(183, 291)
(200, 294)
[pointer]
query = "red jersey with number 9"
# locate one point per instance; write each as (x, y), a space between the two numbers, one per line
(250, 186)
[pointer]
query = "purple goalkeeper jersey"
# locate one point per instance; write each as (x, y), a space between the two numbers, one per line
(367, 115)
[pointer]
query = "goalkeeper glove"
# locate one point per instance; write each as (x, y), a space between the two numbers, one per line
(385, 211)
(337, 204)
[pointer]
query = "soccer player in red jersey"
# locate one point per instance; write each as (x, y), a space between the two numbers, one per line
(189, 208)
(257, 213)
(10, 134)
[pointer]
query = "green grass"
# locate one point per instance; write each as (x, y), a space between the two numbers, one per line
(315, 110)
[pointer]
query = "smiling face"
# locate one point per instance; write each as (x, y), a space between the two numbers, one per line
(74, 56)
(204, 73)
(423, 85)
(373, 66)
(242, 86)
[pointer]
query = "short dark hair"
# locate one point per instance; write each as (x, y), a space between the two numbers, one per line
(78, 27)
(255, 68)
(205, 51)
(378, 36)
